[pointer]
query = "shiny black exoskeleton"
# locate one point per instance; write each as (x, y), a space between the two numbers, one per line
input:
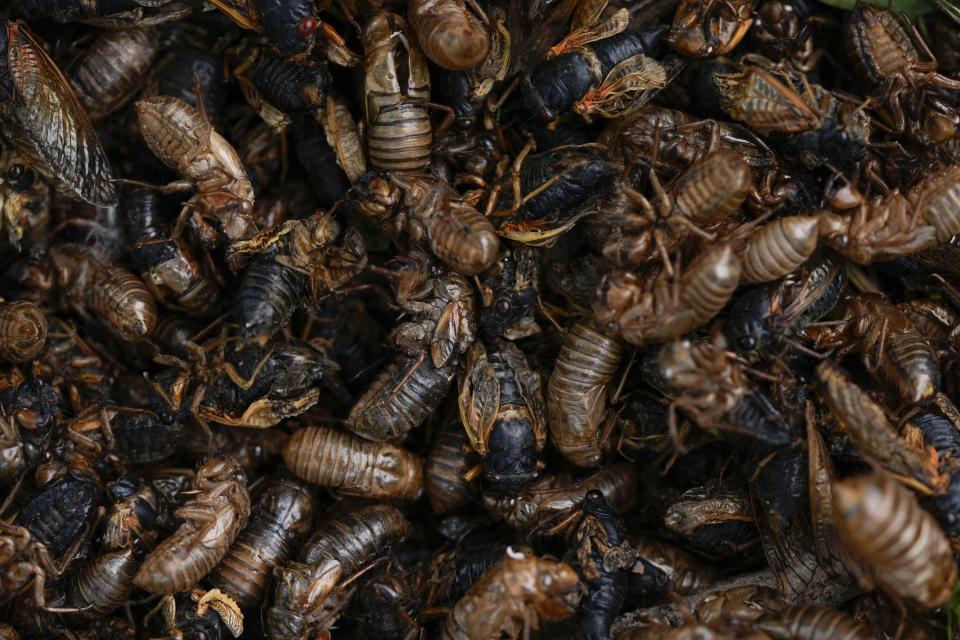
(319, 160)
(291, 369)
(554, 85)
(287, 24)
(33, 402)
(268, 294)
(209, 626)
(386, 603)
(580, 177)
(63, 511)
(942, 435)
(291, 88)
(509, 291)
(747, 327)
(145, 437)
(603, 530)
(511, 457)
(457, 89)
(178, 74)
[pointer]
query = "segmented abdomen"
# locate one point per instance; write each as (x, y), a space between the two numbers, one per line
(400, 134)
(577, 392)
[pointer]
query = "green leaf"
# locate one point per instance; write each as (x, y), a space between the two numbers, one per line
(910, 7)
(951, 8)
(953, 611)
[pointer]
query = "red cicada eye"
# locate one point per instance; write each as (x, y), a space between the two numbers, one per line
(308, 26)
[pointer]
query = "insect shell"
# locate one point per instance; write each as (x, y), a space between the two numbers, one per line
(646, 311)
(353, 538)
(823, 128)
(450, 35)
(167, 265)
(508, 294)
(407, 391)
(24, 198)
(107, 292)
(112, 69)
(184, 139)
(42, 117)
(901, 545)
(520, 589)
(882, 49)
(501, 406)
(63, 511)
(890, 227)
(866, 424)
(387, 604)
(577, 392)
(180, 73)
(889, 344)
(676, 140)
(212, 521)
(109, 14)
(538, 505)
(715, 519)
(25, 560)
(104, 582)
(604, 559)
(280, 519)
(23, 331)
(809, 621)
(603, 68)
(306, 600)
(463, 239)
(709, 29)
(449, 460)
(661, 568)
(307, 596)
(557, 187)
(774, 250)
(939, 433)
(396, 86)
(353, 466)
(761, 319)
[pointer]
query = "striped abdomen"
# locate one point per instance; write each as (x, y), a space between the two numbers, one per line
(714, 187)
(268, 294)
(707, 286)
(172, 129)
(353, 466)
(400, 134)
(120, 298)
(113, 67)
(577, 392)
(899, 543)
(23, 331)
(879, 45)
(776, 249)
(909, 362)
(354, 538)
(463, 238)
(214, 519)
(104, 583)
(281, 518)
(400, 399)
(810, 622)
(449, 459)
(937, 199)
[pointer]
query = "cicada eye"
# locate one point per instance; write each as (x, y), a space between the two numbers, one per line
(504, 307)
(20, 177)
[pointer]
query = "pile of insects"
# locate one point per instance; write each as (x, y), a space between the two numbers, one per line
(479, 319)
